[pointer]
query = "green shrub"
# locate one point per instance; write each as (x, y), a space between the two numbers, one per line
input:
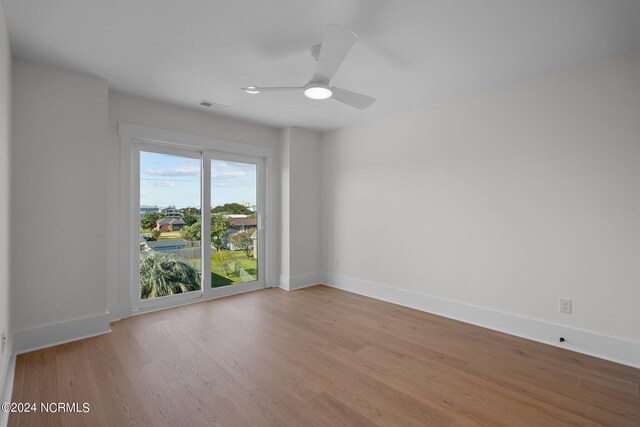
(224, 261)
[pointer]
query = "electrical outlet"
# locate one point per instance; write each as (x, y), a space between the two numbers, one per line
(4, 341)
(565, 305)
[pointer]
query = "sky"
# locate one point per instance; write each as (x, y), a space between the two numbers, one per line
(174, 180)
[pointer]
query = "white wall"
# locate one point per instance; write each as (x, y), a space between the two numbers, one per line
(505, 200)
(58, 206)
(300, 208)
(5, 192)
(285, 211)
(304, 202)
(147, 112)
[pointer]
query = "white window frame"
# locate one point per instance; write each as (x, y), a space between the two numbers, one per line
(260, 283)
(191, 153)
(132, 139)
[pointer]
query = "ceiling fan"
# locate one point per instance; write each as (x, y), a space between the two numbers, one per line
(335, 46)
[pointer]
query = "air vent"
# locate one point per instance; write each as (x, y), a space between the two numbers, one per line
(212, 105)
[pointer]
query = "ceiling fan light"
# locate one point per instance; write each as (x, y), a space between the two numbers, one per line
(251, 89)
(318, 92)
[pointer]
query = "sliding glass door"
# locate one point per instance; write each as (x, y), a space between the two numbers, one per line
(201, 233)
(236, 194)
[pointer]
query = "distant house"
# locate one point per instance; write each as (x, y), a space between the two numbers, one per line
(171, 212)
(241, 223)
(170, 224)
(148, 208)
(238, 223)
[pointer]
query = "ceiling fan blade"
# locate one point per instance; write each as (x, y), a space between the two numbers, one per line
(353, 99)
(258, 89)
(336, 44)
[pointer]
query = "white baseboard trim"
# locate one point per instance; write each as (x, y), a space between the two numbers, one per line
(7, 371)
(119, 311)
(290, 283)
(59, 333)
(607, 347)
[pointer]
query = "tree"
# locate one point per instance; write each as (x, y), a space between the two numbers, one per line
(242, 240)
(232, 209)
(219, 227)
(190, 216)
(191, 232)
(154, 235)
(224, 261)
(149, 219)
(163, 274)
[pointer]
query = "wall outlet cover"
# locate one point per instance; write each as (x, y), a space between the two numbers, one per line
(565, 305)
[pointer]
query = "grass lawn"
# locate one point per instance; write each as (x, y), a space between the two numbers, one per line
(166, 235)
(250, 265)
(218, 279)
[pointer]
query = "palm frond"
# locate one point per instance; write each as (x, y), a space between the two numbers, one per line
(165, 274)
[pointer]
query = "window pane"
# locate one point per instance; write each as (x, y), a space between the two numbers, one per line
(234, 236)
(170, 225)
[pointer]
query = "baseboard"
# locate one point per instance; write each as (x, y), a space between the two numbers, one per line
(291, 283)
(607, 347)
(7, 371)
(59, 333)
(119, 311)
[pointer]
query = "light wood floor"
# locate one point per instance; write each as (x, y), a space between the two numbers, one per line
(319, 357)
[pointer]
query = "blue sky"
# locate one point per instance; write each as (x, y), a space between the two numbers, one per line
(173, 180)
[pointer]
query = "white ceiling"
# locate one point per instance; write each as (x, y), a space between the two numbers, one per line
(410, 53)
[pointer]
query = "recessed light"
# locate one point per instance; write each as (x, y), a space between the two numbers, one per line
(251, 89)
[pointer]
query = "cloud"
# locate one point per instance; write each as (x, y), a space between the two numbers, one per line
(221, 164)
(163, 183)
(230, 179)
(227, 175)
(177, 171)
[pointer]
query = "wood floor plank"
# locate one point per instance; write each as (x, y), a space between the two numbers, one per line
(319, 357)
(124, 407)
(338, 413)
(272, 389)
(167, 403)
(612, 416)
(127, 348)
(489, 402)
(609, 386)
(74, 385)
(39, 379)
(367, 335)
